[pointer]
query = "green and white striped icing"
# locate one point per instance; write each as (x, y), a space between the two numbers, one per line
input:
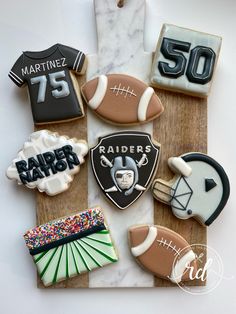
(76, 257)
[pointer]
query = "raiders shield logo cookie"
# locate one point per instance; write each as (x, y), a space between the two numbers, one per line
(124, 164)
(199, 189)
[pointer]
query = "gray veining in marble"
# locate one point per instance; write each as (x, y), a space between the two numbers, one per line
(120, 50)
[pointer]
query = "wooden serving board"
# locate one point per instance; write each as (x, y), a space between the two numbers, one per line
(181, 128)
(74, 199)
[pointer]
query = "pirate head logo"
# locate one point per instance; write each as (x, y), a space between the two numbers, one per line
(200, 188)
(124, 164)
(124, 173)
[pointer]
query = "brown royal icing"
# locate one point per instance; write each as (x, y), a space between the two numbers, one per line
(122, 99)
(159, 258)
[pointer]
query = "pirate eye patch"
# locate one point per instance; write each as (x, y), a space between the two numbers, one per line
(119, 175)
(124, 164)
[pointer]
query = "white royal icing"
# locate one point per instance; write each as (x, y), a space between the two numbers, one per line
(202, 204)
(46, 141)
(100, 92)
(146, 244)
(179, 268)
(143, 103)
(194, 39)
(178, 165)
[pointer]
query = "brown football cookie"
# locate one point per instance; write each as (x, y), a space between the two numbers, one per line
(122, 99)
(162, 252)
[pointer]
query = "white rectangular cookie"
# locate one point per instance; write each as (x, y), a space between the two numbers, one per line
(185, 60)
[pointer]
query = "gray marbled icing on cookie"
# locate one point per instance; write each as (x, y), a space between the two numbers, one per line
(189, 62)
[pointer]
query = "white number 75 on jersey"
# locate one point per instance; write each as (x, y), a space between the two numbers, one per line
(61, 88)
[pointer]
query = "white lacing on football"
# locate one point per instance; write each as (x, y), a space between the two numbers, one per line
(180, 266)
(100, 92)
(126, 92)
(143, 103)
(168, 245)
(146, 244)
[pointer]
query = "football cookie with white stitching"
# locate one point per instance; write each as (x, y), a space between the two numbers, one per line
(162, 252)
(122, 99)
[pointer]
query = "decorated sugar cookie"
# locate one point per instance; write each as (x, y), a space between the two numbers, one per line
(185, 60)
(53, 89)
(124, 164)
(122, 99)
(162, 252)
(200, 188)
(48, 162)
(70, 246)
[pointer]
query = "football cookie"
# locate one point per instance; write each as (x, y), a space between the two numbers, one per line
(122, 99)
(70, 246)
(124, 164)
(185, 60)
(48, 162)
(53, 89)
(162, 252)
(200, 188)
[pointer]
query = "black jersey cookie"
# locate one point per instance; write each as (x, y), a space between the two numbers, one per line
(53, 89)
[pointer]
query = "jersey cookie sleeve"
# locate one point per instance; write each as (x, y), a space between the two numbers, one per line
(75, 59)
(16, 73)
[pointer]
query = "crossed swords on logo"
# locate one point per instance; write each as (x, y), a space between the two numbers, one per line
(105, 162)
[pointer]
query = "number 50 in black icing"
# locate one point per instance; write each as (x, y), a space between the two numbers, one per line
(185, 60)
(173, 50)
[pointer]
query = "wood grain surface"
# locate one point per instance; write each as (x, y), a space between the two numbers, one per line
(74, 199)
(180, 129)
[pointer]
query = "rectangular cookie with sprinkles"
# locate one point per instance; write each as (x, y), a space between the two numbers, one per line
(70, 246)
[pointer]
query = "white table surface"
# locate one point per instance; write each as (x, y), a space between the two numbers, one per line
(35, 25)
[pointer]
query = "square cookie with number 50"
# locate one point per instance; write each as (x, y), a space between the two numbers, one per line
(185, 60)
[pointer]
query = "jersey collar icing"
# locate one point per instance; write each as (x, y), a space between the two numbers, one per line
(41, 54)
